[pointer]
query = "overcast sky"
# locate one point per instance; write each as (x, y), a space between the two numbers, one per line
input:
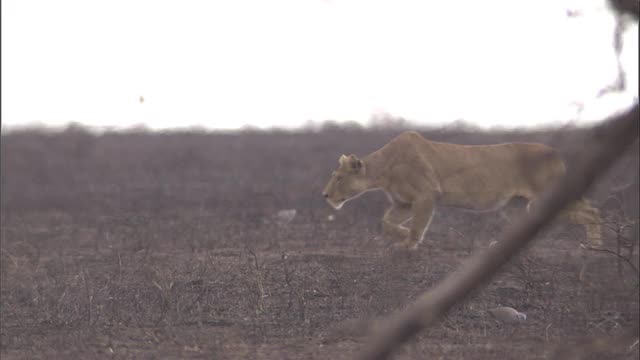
(226, 64)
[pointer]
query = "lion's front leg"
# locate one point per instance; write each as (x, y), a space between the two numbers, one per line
(393, 219)
(422, 211)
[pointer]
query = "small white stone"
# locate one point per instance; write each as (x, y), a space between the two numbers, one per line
(284, 217)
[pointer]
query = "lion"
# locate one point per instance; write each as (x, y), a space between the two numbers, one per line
(419, 175)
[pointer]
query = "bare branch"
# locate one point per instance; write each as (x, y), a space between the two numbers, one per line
(598, 345)
(607, 251)
(607, 142)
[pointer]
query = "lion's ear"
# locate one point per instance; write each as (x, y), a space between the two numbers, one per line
(355, 163)
(343, 159)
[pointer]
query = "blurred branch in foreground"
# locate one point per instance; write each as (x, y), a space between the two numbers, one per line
(607, 142)
(620, 83)
(624, 10)
(631, 7)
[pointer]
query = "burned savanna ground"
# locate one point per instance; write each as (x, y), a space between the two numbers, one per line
(166, 245)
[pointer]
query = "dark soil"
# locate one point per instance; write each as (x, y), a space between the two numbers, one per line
(151, 245)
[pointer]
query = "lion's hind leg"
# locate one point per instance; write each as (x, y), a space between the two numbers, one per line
(583, 213)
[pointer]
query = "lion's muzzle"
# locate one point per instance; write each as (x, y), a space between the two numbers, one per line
(334, 204)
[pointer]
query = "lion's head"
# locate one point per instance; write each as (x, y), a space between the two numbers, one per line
(347, 182)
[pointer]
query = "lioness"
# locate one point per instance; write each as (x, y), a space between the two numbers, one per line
(418, 174)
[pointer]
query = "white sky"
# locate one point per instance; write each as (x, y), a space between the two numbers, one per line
(225, 64)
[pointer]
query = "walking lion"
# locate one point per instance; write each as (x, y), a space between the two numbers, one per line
(418, 175)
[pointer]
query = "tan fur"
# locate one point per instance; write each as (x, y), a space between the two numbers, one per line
(418, 174)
